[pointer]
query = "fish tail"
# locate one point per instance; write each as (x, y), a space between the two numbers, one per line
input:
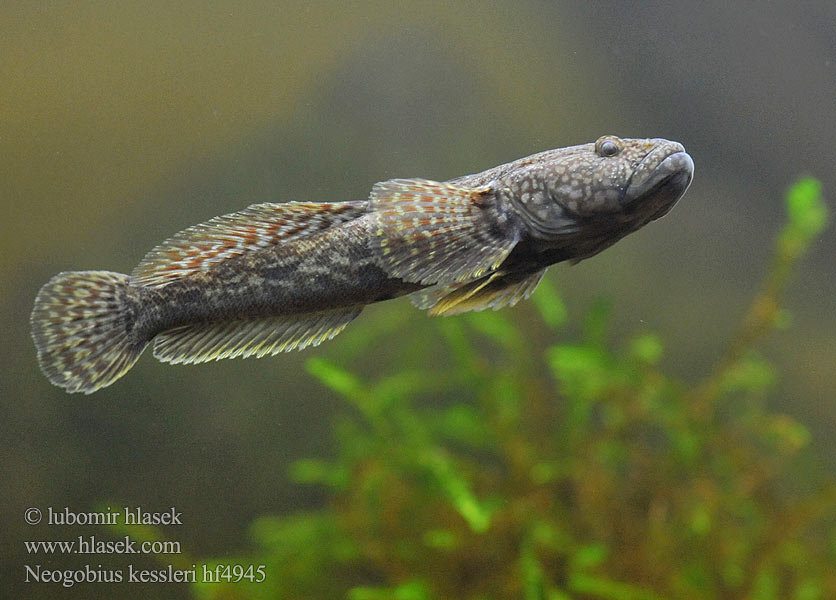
(81, 325)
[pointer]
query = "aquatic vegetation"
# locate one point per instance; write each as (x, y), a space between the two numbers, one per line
(586, 472)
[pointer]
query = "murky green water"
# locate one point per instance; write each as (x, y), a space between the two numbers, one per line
(122, 124)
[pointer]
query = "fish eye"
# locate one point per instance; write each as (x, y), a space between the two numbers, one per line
(606, 147)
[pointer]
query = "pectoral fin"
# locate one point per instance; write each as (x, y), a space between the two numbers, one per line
(494, 291)
(437, 233)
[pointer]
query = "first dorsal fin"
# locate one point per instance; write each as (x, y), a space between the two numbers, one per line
(495, 291)
(266, 336)
(438, 233)
(259, 226)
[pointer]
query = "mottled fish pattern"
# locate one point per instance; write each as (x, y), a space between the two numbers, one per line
(278, 277)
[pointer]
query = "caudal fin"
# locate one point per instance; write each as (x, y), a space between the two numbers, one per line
(81, 327)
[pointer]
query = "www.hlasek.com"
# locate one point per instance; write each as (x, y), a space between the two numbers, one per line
(92, 545)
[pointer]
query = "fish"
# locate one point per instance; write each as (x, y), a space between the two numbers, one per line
(276, 277)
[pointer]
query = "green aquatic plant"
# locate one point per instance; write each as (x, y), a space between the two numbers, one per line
(585, 472)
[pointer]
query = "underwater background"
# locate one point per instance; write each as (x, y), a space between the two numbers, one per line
(602, 440)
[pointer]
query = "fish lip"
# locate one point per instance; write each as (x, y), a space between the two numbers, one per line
(656, 188)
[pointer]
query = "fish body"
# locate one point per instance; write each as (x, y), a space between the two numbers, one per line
(277, 277)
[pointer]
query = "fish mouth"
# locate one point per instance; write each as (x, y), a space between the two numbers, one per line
(659, 181)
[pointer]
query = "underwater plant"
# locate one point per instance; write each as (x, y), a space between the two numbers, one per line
(584, 473)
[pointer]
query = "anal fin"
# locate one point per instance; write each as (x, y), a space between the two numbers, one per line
(495, 291)
(251, 337)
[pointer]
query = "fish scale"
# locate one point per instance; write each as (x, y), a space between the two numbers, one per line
(278, 277)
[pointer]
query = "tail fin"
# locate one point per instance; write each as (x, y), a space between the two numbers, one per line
(81, 326)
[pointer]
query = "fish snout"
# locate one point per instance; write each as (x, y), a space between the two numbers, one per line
(659, 180)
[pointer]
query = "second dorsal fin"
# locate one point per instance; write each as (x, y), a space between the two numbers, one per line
(259, 226)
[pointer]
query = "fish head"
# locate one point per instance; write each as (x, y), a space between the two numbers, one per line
(614, 183)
